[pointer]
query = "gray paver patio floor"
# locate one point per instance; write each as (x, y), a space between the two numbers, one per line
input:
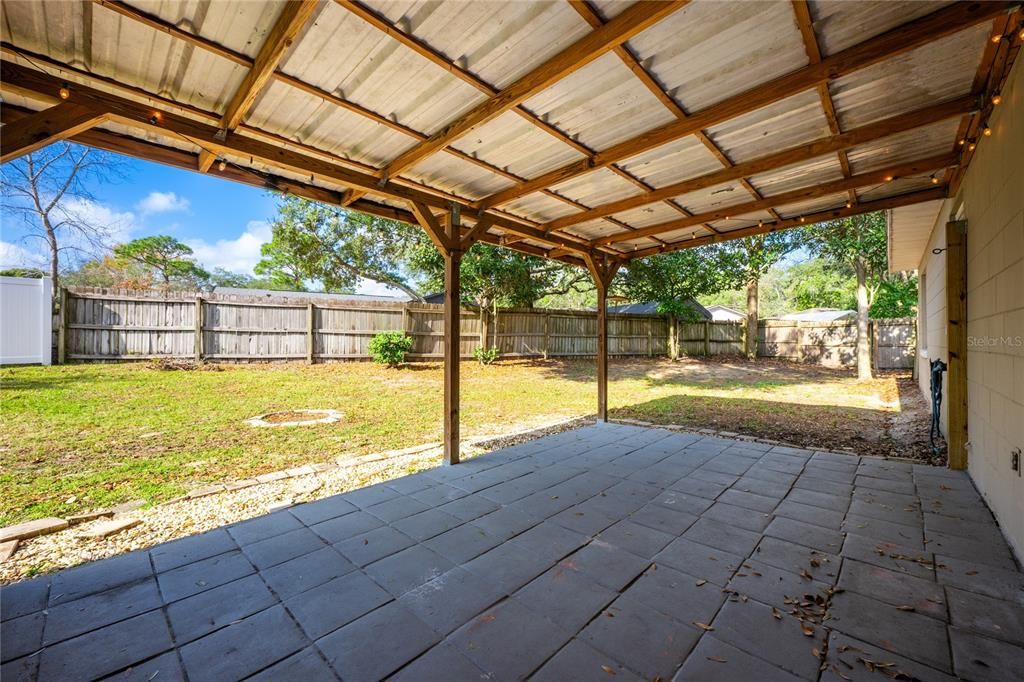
(611, 551)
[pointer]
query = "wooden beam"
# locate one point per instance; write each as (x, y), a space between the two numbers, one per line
(624, 26)
(37, 85)
(939, 192)
(899, 40)
(431, 225)
(787, 157)
(33, 132)
(176, 158)
(878, 177)
(956, 341)
(293, 17)
(602, 270)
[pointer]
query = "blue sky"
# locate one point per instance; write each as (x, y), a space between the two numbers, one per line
(224, 222)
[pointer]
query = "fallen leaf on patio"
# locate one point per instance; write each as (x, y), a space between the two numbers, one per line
(807, 629)
(970, 573)
(776, 614)
(607, 670)
(755, 573)
(805, 575)
(701, 583)
(815, 563)
(816, 653)
(905, 608)
(703, 626)
(716, 659)
(839, 672)
(366, 541)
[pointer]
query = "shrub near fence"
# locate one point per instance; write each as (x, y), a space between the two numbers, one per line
(116, 324)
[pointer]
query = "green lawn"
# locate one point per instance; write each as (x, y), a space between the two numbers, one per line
(91, 435)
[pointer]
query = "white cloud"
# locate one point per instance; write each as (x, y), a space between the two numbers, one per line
(116, 226)
(13, 256)
(162, 202)
(235, 255)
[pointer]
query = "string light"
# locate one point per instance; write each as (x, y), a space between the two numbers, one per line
(222, 166)
(971, 147)
(935, 180)
(760, 223)
(987, 132)
(849, 203)
(888, 178)
(997, 99)
(962, 141)
(997, 38)
(801, 219)
(65, 91)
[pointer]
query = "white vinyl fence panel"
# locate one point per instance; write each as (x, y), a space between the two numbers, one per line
(26, 310)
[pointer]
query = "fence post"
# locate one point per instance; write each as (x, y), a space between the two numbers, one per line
(650, 338)
(707, 337)
(198, 345)
(547, 334)
(309, 333)
(62, 327)
(405, 317)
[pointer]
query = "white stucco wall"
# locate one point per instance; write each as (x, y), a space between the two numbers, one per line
(992, 196)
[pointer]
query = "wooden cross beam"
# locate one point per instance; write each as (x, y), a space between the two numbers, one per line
(896, 41)
(293, 17)
(40, 86)
(939, 192)
(59, 122)
(787, 157)
(624, 26)
(862, 180)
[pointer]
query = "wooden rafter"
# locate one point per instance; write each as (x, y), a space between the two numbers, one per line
(899, 40)
(920, 196)
(869, 179)
(804, 152)
(59, 122)
(293, 17)
(39, 86)
(176, 158)
(624, 26)
(806, 25)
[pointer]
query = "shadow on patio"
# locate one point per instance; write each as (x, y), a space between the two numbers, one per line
(607, 550)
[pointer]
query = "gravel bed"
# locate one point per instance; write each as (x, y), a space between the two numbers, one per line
(170, 521)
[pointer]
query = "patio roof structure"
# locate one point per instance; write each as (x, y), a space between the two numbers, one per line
(592, 133)
(608, 552)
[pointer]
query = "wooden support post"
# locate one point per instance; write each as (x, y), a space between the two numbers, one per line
(62, 327)
(452, 353)
(602, 270)
(956, 308)
(707, 337)
(198, 345)
(310, 314)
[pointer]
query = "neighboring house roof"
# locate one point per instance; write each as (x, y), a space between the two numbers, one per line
(820, 315)
(724, 312)
(651, 308)
(305, 295)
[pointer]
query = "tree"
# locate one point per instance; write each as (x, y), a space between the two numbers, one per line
(757, 255)
(219, 277)
(28, 273)
(492, 276)
(48, 190)
(896, 296)
(857, 242)
(336, 247)
(110, 271)
(672, 279)
(815, 283)
(167, 257)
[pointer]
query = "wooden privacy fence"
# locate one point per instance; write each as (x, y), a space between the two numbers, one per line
(117, 324)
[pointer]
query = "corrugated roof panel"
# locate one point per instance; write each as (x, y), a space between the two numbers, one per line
(714, 197)
(840, 24)
(709, 51)
(601, 104)
(297, 115)
(897, 187)
(455, 175)
(673, 162)
(597, 187)
(239, 25)
(609, 9)
(933, 73)
(518, 146)
(497, 41)
(785, 124)
(815, 171)
(594, 229)
(376, 71)
(809, 206)
(685, 234)
(905, 147)
(540, 207)
(651, 214)
(742, 221)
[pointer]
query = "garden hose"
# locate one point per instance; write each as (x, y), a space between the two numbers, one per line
(937, 367)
